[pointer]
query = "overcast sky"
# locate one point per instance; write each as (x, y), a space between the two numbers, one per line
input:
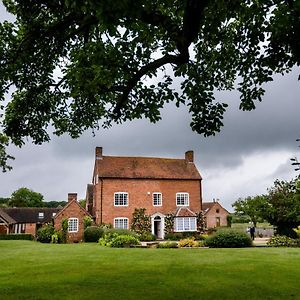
(253, 149)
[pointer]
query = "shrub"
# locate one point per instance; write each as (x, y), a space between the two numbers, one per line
(120, 232)
(189, 242)
(87, 222)
(147, 237)
(107, 239)
(167, 245)
(122, 241)
(22, 236)
(44, 234)
(282, 241)
(175, 236)
(92, 234)
(229, 239)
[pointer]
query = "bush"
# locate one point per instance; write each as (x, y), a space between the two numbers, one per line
(44, 234)
(92, 234)
(229, 239)
(166, 245)
(120, 232)
(174, 236)
(122, 241)
(282, 241)
(22, 236)
(147, 237)
(189, 242)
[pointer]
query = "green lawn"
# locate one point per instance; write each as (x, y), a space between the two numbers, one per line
(29, 270)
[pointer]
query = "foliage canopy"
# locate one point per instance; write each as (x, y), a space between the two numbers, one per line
(77, 65)
(24, 197)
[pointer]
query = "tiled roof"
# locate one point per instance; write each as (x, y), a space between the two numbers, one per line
(206, 206)
(8, 219)
(184, 212)
(68, 204)
(31, 214)
(146, 167)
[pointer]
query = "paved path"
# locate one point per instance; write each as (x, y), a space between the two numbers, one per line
(260, 241)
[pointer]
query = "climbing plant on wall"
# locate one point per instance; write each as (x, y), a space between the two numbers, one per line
(201, 222)
(169, 223)
(141, 222)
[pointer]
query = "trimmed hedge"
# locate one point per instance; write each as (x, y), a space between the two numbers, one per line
(21, 236)
(229, 239)
(92, 234)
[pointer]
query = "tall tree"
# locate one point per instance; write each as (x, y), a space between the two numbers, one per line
(24, 197)
(251, 207)
(78, 65)
(283, 206)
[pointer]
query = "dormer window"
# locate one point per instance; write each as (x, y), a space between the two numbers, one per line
(41, 215)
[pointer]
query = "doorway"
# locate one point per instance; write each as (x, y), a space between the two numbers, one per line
(157, 221)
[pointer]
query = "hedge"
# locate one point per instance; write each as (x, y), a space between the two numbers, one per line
(22, 236)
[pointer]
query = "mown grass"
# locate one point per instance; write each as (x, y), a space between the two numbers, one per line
(29, 270)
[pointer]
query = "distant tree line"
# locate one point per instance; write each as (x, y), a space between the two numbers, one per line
(280, 206)
(24, 197)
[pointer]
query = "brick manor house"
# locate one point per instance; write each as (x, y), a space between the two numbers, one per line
(161, 185)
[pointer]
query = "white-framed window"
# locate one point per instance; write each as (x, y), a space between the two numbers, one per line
(182, 199)
(121, 223)
(73, 225)
(121, 199)
(41, 215)
(157, 199)
(185, 224)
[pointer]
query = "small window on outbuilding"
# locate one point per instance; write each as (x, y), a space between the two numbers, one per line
(217, 210)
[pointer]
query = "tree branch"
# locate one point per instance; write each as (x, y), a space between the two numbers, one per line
(167, 59)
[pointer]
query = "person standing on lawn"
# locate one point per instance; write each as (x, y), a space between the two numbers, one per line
(252, 232)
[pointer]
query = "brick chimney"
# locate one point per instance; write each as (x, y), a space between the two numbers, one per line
(98, 153)
(189, 156)
(72, 196)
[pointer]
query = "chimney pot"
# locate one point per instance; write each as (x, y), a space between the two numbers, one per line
(72, 196)
(98, 153)
(189, 156)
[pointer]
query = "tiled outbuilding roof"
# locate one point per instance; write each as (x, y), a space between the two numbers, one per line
(206, 206)
(146, 167)
(6, 218)
(31, 214)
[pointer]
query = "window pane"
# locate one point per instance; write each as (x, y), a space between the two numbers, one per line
(182, 199)
(157, 199)
(73, 225)
(121, 223)
(121, 199)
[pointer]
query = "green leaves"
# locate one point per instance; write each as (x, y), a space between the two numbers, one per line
(78, 65)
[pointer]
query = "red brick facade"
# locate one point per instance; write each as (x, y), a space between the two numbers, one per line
(74, 213)
(140, 178)
(140, 195)
(215, 214)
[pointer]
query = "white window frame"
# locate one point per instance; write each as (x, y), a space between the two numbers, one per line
(74, 227)
(186, 199)
(121, 193)
(118, 219)
(41, 215)
(185, 224)
(153, 200)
